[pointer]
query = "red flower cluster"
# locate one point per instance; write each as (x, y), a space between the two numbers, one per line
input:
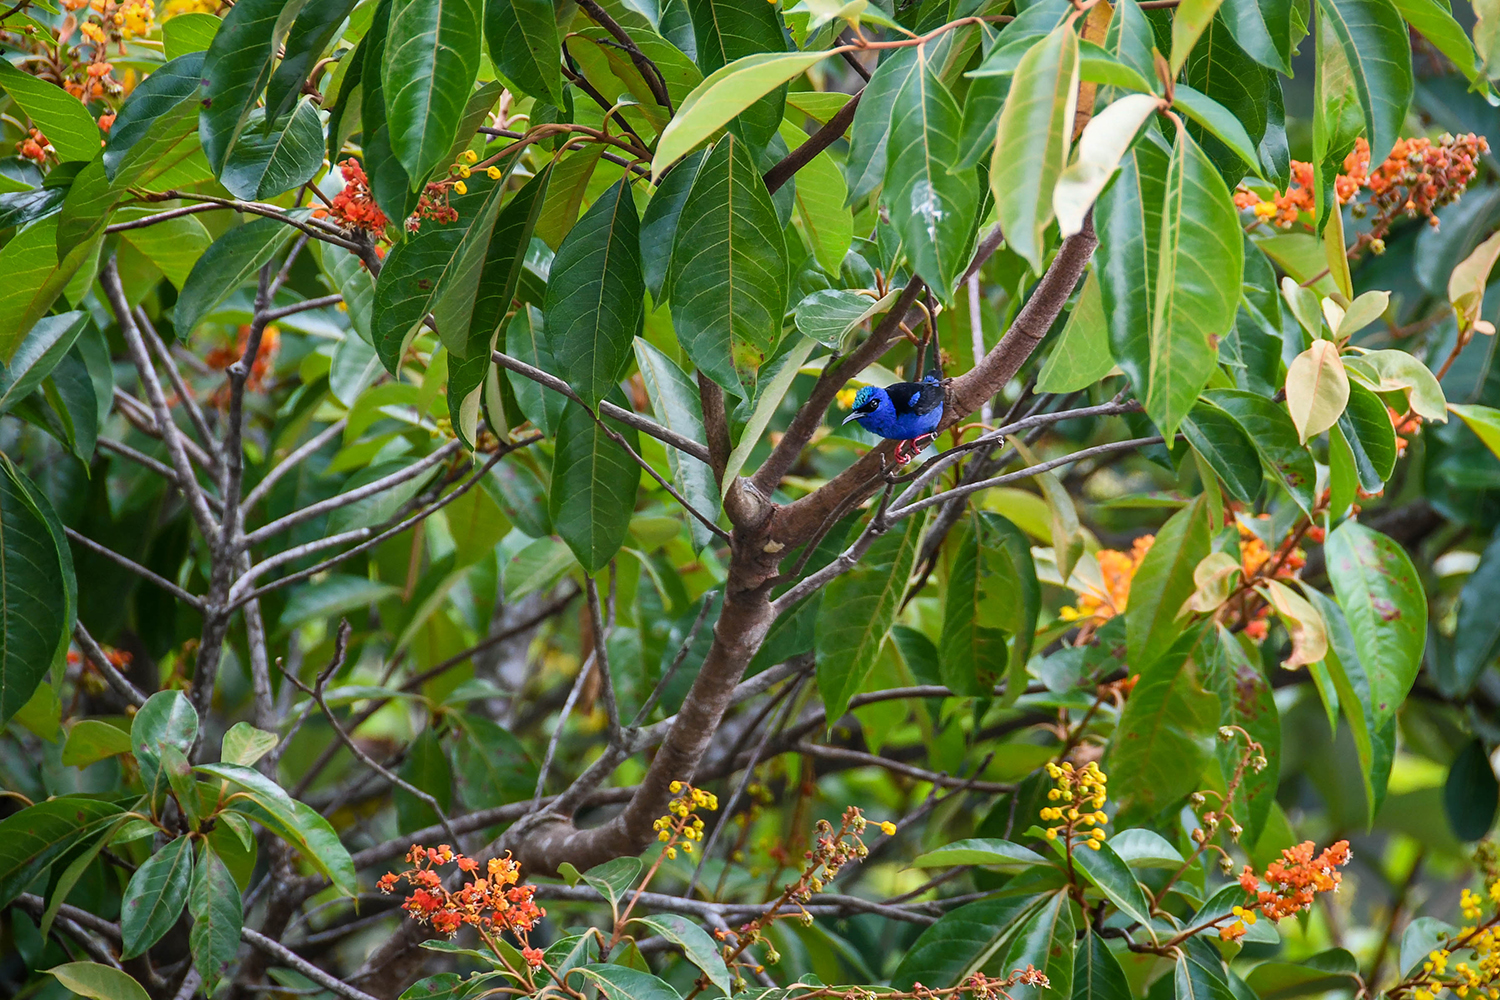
(354, 206)
(432, 205)
(1296, 878)
(1418, 178)
(221, 358)
(489, 904)
(118, 658)
(34, 147)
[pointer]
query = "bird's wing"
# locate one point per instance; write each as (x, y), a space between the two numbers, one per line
(926, 398)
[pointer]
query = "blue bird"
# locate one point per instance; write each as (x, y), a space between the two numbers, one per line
(906, 412)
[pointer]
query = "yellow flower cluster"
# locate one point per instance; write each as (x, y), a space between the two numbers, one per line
(175, 7)
(681, 820)
(135, 18)
(1481, 977)
(1082, 794)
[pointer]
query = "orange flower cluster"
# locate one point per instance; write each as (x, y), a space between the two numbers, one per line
(354, 206)
(432, 205)
(1406, 427)
(35, 147)
(118, 658)
(1296, 878)
(1418, 178)
(492, 903)
(1117, 570)
(221, 358)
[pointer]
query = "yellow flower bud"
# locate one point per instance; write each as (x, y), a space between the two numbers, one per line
(460, 187)
(493, 173)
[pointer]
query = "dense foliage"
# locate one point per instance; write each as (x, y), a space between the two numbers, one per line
(434, 562)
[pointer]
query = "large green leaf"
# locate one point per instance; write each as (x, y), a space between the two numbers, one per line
(1197, 288)
(596, 295)
(1334, 969)
(264, 164)
(1112, 876)
(1164, 582)
(155, 896)
(1224, 445)
(526, 340)
(1378, 51)
(695, 943)
(1374, 740)
(236, 68)
(39, 352)
(659, 225)
(214, 903)
(228, 263)
(100, 982)
(316, 25)
(620, 982)
(1046, 941)
(1381, 594)
(821, 196)
(858, 610)
(34, 278)
(1096, 972)
(55, 112)
(729, 270)
(1165, 738)
(1476, 642)
(523, 40)
(492, 766)
(725, 93)
(35, 584)
(1037, 119)
(389, 182)
(1128, 220)
(34, 837)
(1193, 981)
(1246, 700)
(1262, 28)
(407, 287)
(726, 30)
(167, 719)
(262, 800)
(593, 489)
(990, 608)
(931, 202)
(869, 133)
(86, 209)
(1270, 429)
(431, 59)
(677, 406)
(1001, 855)
(970, 939)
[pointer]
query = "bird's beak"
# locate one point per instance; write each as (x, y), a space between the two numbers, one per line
(853, 416)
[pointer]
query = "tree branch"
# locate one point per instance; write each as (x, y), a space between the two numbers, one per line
(820, 140)
(88, 543)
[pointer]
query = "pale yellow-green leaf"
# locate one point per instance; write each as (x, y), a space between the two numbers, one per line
(1466, 283)
(1188, 22)
(766, 406)
(1214, 577)
(244, 744)
(102, 982)
(1483, 421)
(1338, 260)
(726, 92)
(1105, 139)
(1304, 623)
(1399, 370)
(1304, 305)
(1026, 510)
(1317, 389)
(1361, 313)
(1081, 355)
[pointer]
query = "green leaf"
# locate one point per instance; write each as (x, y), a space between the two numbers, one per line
(261, 799)
(659, 225)
(184, 34)
(729, 268)
(40, 351)
(1262, 28)
(1096, 972)
(620, 982)
(57, 113)
(594, 484)
(167, 719)
(857, 611)
(1193, 981)
(1109, 873)
(155, 896)
(699, 948)
(1046, 941)
(1471, 795)
(407, 287)
(1224, 445)
(990, 608)
(1246, 700)
(393, 188)
(821, 195)
(1381, 594)
(1001, 855)
(969, 939)
(1128, 220)
(34, 837)
(725, 31)
(492, 765)
(1038, 117)
(1374, 741)
(316, 26)
(1197, 284)
(526, 341)
(235, 70)
(524, 43)
(431, 59)
(1391, 370)
(425, 767)
(216, 918)
(264, 164)
(1271, 430)
(91, 740)
(1105, 139)
(1165, 737)
(725, 93)
(869, 133)
(36, 603)
(1163, 582)
(595, 295)
(102, 982)
(1377, 49)
(1081, 355)
(85, 210)
(1334, 969)
(229, 262)
(1367, 430)
(930, 200)
(1220, 123)
(1188, 23)
(34, 278)
(244, 744)
(677, 406)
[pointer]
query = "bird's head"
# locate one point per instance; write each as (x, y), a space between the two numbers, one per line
(866, 402)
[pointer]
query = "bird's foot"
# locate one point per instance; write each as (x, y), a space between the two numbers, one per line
(908, 450)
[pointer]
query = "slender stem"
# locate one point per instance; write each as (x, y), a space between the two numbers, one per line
(84, 541)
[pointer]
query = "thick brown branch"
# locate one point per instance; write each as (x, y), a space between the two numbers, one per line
(816, 143)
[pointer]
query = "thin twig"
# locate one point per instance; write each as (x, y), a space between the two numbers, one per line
(189, 402)
(293, 961)
(134, 567)
(601, 655)
(310, 447)
(677, 661)
(304, 306)
(562, 721)
(100, 660)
